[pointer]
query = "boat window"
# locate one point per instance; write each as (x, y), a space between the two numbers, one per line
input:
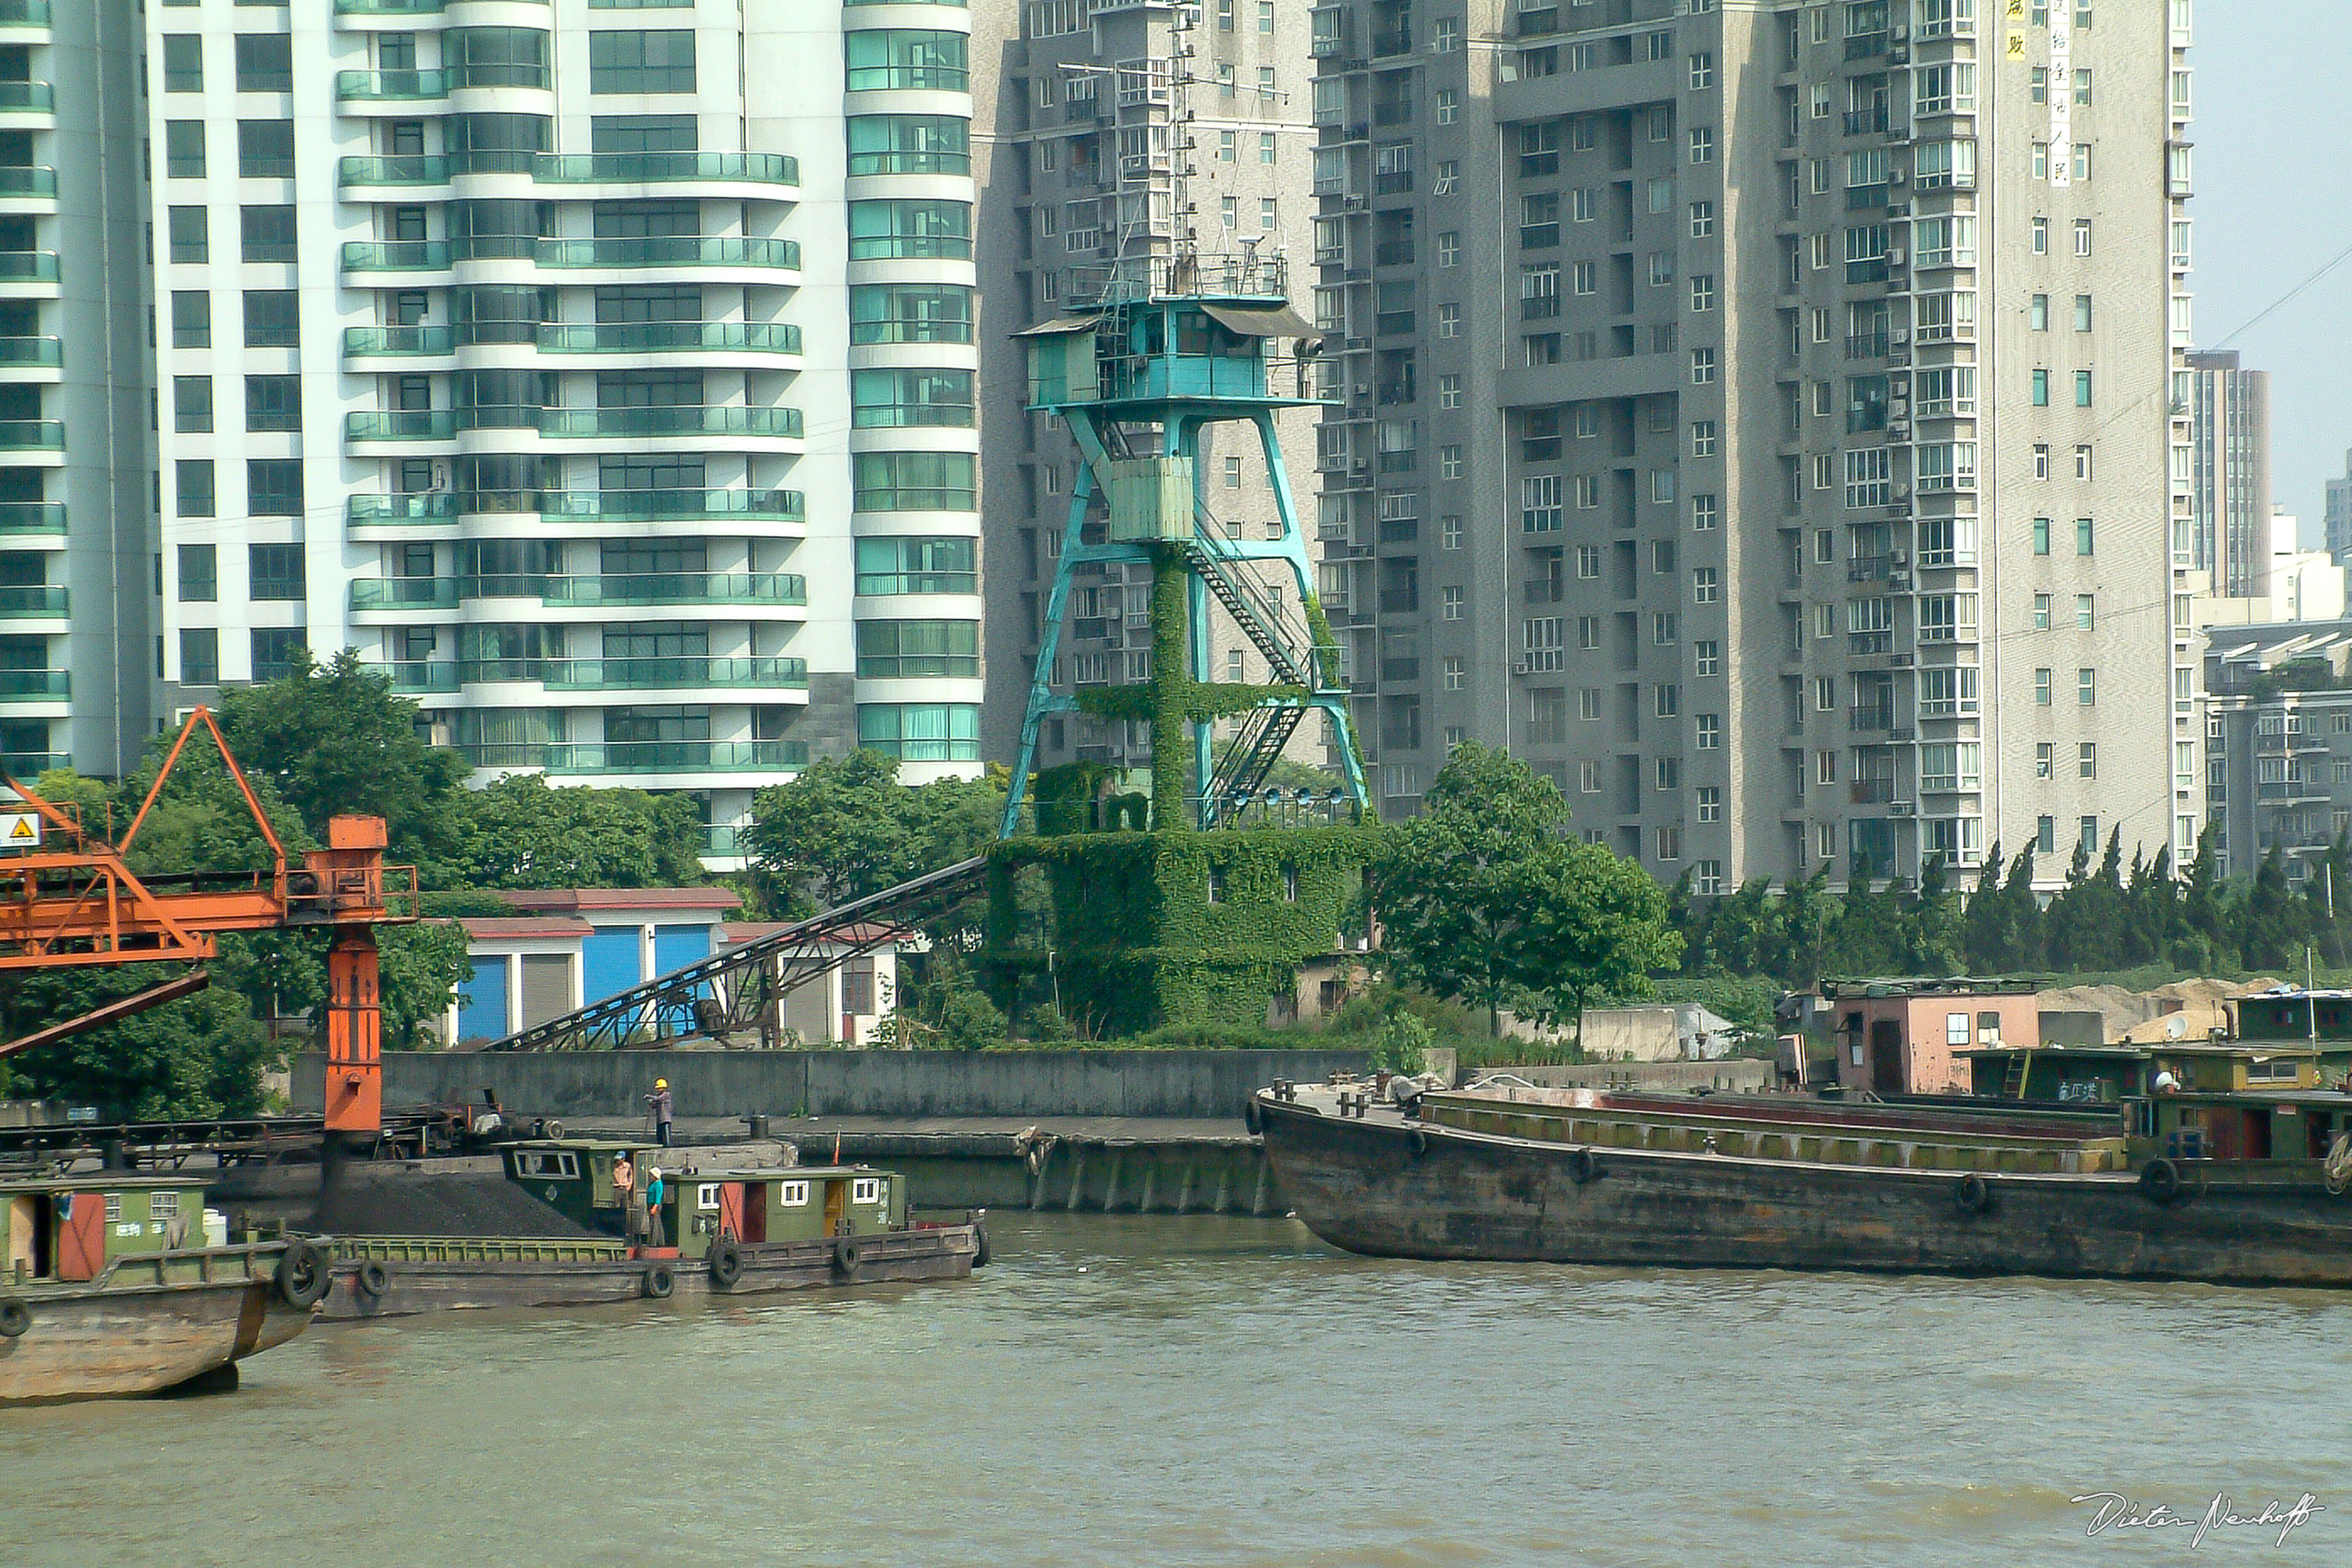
(162, 1205)
(2258, 1072)
(1988, 1027)
(792, 1195)
(114, 1207)
(1955, 1029)
(707, 1195)
(559, 1163)
(867, 1190)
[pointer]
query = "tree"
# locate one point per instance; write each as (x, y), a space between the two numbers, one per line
(1482, 898)
(846, 827)
(200, 1056)
(334, 739)
(2271, 924)
(520, 833)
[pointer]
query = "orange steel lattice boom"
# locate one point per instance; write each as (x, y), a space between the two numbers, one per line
(83, 906)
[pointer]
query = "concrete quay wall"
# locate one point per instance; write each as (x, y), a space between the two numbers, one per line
(895, 1084)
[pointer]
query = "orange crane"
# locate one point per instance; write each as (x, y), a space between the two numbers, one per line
(80, 904)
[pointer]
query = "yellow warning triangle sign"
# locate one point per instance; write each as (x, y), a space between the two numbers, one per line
(22, 829)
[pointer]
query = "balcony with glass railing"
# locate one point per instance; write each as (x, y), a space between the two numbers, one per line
(32, 351)
(36, 685)
(27, 97)
(32, 436)
(659, 168)
(396, 255)
(27, 179)
(672, 250)
(392, 86)
(37, 601)
(390, 7)
(374, 343)
(395, 169)
(640, 756)
(684, 673)
(441, 507)
(619, 590)
(32, 517)
(653, 337)
(24, 13)
(672, 419)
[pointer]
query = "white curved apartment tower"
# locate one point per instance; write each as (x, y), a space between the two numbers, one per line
(603, 369)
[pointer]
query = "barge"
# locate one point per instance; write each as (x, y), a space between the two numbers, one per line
(2136, 1190)
(727, 1231)
(122, 1285)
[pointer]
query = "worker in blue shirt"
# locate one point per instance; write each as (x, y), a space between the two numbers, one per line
(653, 1193)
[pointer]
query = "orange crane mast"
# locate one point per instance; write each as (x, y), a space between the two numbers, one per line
(81, 905)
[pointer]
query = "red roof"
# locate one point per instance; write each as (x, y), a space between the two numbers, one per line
(479, 927)
(569, 900)
(734, 933)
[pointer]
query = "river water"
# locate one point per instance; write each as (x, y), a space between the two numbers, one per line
(1124, 1390)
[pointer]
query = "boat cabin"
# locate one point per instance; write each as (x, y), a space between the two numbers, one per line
(2296, 1126)
(70, 1228)
(1911, 1036)
(754, 1204)
(2063, 1074)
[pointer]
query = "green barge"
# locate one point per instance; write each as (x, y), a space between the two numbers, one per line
(121, 1285)
(718, 1231)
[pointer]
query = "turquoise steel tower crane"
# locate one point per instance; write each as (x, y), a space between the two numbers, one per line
(1175, 344)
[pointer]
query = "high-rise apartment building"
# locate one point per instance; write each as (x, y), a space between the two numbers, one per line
(76, 659)
(2229, 472)
(1122, 134)
(1787, 419)
(605, 372)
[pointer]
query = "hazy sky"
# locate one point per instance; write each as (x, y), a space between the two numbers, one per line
(2274, 205)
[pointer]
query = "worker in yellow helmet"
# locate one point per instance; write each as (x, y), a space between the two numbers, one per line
(659, 1103)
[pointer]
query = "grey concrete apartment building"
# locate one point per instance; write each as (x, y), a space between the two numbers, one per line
(1109, 134)
(2229, 472)
(77, 665)
(2278, 707)
(1767, 417)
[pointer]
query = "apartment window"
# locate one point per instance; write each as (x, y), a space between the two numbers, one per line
(1267, 210)
(1449, 461)
(1449, 391)
(915, 481)
(1268, 145)
(2082, 463)
(274, 648)
(893, 649)
(1450, 604)
(264, 63)
(200, 656)
(2087, 687)
(189, 239)
(650, 61)
(274, 487)
(1710, 733)
(1266, 16)
(2038, 383)
(2082, 236)
(2045, 759)
(183, 149)
(264, 149)
(199, 574)
(1229, 211)
(191, 403)
(2042, 611)
(1448, 104)
(1703, 292)
(1228, 146)
(2087, 760)
(2041, 236)
(1457, 674)
(1702, 366)
(1703, 144)
(1587, 560)
(1702, 220)
(1449, 248)
(2042, 682)
(2088, 835)
(1702, 437)
(2082, 535)
(275, 571)
(2041, 461)
(183, 63)
(2045, 835)
(1706, 657)
(2037, 313)
(191, 319)
(1707, 586)
(2082, 312)
(1449, 320)
(272, 318)
(274, 403)
(1702, 72)
(1449, 532)
(265, 233)
(192, 478)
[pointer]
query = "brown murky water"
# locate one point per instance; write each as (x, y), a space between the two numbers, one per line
(1201, 1391)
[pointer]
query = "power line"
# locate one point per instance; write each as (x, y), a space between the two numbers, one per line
(2341, 258)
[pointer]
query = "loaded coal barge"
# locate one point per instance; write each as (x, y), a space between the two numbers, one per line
(725, 1228)
(1507, 1171)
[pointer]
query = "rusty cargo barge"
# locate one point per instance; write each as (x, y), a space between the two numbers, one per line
(1513, 1173)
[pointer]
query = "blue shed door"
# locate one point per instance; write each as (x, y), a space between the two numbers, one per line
(482, 1001)
(609, 963)
(674, 947)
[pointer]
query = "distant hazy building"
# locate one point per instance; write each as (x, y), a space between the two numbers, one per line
(2228, 435)
(1780, 393)
(2338, 516)
(2277, 708)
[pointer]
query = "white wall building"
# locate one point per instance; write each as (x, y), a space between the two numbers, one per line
(604, 371)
